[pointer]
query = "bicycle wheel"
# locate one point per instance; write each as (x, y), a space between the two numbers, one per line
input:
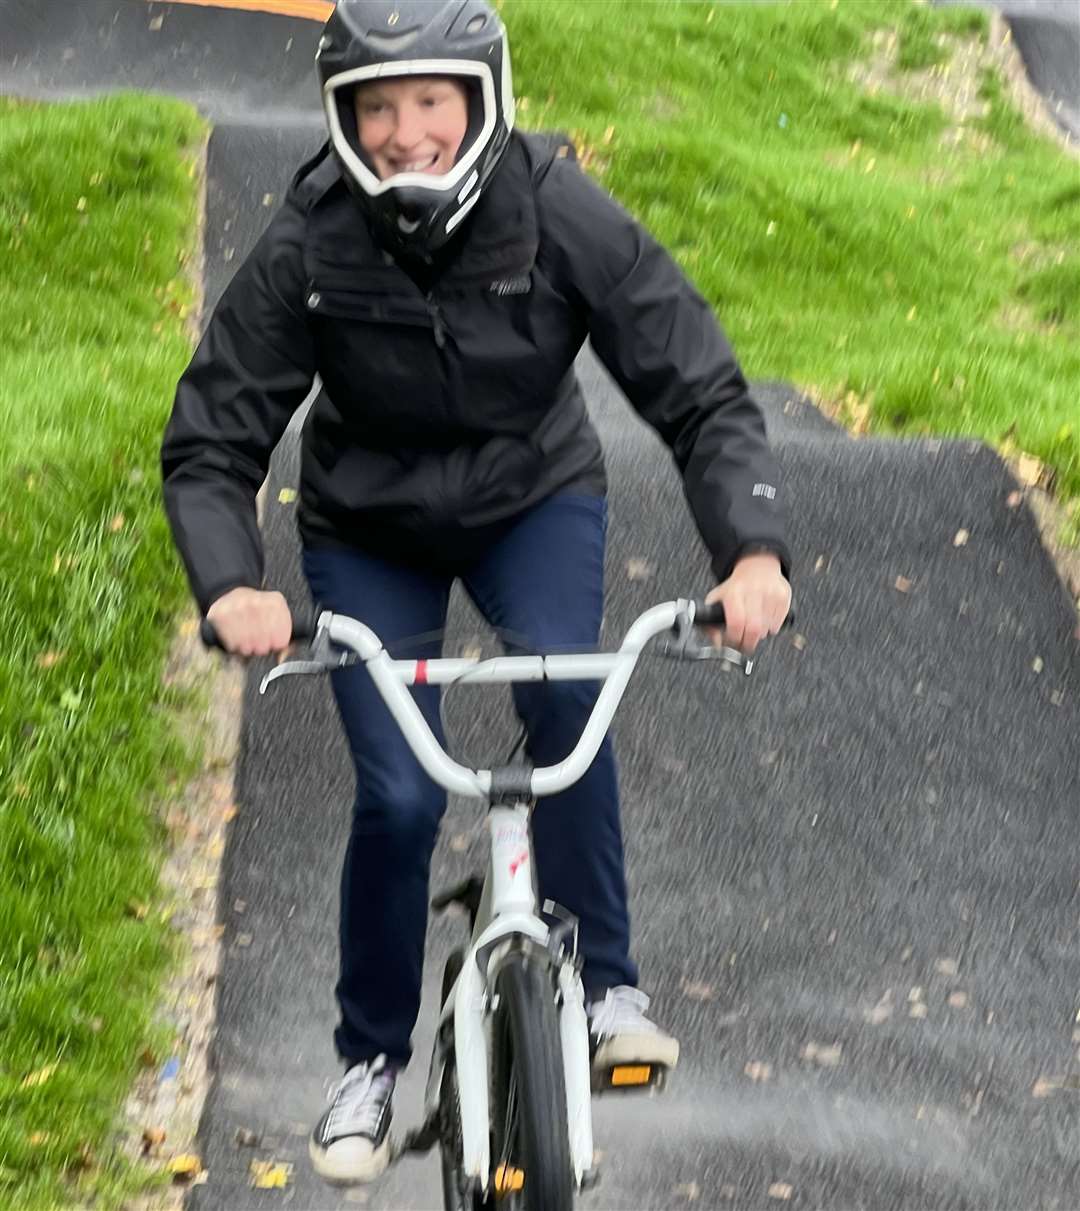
(530, 1160)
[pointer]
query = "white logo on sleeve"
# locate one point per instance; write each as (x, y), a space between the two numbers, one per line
(766, 490)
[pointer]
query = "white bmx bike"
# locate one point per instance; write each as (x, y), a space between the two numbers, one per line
(508, 1099)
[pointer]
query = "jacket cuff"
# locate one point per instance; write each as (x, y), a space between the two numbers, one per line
(723, 567)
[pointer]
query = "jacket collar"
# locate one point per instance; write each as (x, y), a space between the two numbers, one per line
(501, 236)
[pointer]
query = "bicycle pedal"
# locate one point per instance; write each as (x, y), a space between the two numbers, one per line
(630, 1078)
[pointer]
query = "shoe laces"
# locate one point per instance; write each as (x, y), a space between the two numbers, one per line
(622, 1011)
(359, 1099)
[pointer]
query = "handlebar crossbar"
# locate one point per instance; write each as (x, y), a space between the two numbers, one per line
(356, 643)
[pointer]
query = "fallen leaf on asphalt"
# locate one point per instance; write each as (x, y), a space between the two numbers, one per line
(1014, 500)
(958, 999)
(245, 1138)
(1057, 697)
(156, 23)
(696, 990)
(688, 1190)
(40, 1077)
(946, 967)
(459, 843)
(1037, 665)
(827, 1057)
(757, 1071)
(184, 1168)
(781, 1190)
(798, 642)
(902, 584)
(915, 994)
(638, 569)
(243, 939)
(918, 1010)
(270, 1175)
(960, 540)
(881, 1012)
(1044, 1086)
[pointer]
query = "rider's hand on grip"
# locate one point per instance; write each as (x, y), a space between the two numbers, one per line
(248, 622)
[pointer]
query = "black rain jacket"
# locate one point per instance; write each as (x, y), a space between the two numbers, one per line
(448, 412)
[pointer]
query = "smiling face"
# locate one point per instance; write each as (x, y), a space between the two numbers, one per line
(412, 124)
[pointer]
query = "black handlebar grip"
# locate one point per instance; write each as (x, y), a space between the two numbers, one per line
(712, 615)
(303, 629)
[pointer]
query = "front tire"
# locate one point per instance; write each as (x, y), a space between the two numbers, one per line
(450, 1112)
(530, 1142)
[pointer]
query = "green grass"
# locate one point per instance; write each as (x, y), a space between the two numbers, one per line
(97, 218)
(934, 287)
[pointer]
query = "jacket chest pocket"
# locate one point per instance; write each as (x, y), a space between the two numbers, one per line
(379, 360)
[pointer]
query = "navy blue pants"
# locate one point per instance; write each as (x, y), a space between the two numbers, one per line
(543, 579)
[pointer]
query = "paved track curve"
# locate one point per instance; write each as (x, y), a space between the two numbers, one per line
(853, 876)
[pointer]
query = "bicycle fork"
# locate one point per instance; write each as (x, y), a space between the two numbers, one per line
(508, 920)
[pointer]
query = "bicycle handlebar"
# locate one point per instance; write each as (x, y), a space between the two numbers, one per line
(340, 641)
(303, 629)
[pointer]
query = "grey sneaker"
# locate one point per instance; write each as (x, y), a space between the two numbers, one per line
(351, 1142)
(628, 1051)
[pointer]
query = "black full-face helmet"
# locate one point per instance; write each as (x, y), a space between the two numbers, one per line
(365, 40)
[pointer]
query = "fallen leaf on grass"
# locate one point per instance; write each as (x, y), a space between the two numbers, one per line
(1030, 470)
(270, 1175)
(36, 1138)
(117, 523)
(48, 660)
(152, 1139)
(40, 1077)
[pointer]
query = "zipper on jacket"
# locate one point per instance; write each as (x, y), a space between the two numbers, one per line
(437, 320)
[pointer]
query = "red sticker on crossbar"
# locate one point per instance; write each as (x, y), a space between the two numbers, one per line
(421, 673)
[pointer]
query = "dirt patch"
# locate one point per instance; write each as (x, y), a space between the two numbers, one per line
(165, 1106)
(954, 84)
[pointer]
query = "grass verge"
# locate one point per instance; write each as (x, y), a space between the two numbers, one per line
(97, 221)
(871, 219)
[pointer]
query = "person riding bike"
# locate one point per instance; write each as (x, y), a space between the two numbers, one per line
(439, 271)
